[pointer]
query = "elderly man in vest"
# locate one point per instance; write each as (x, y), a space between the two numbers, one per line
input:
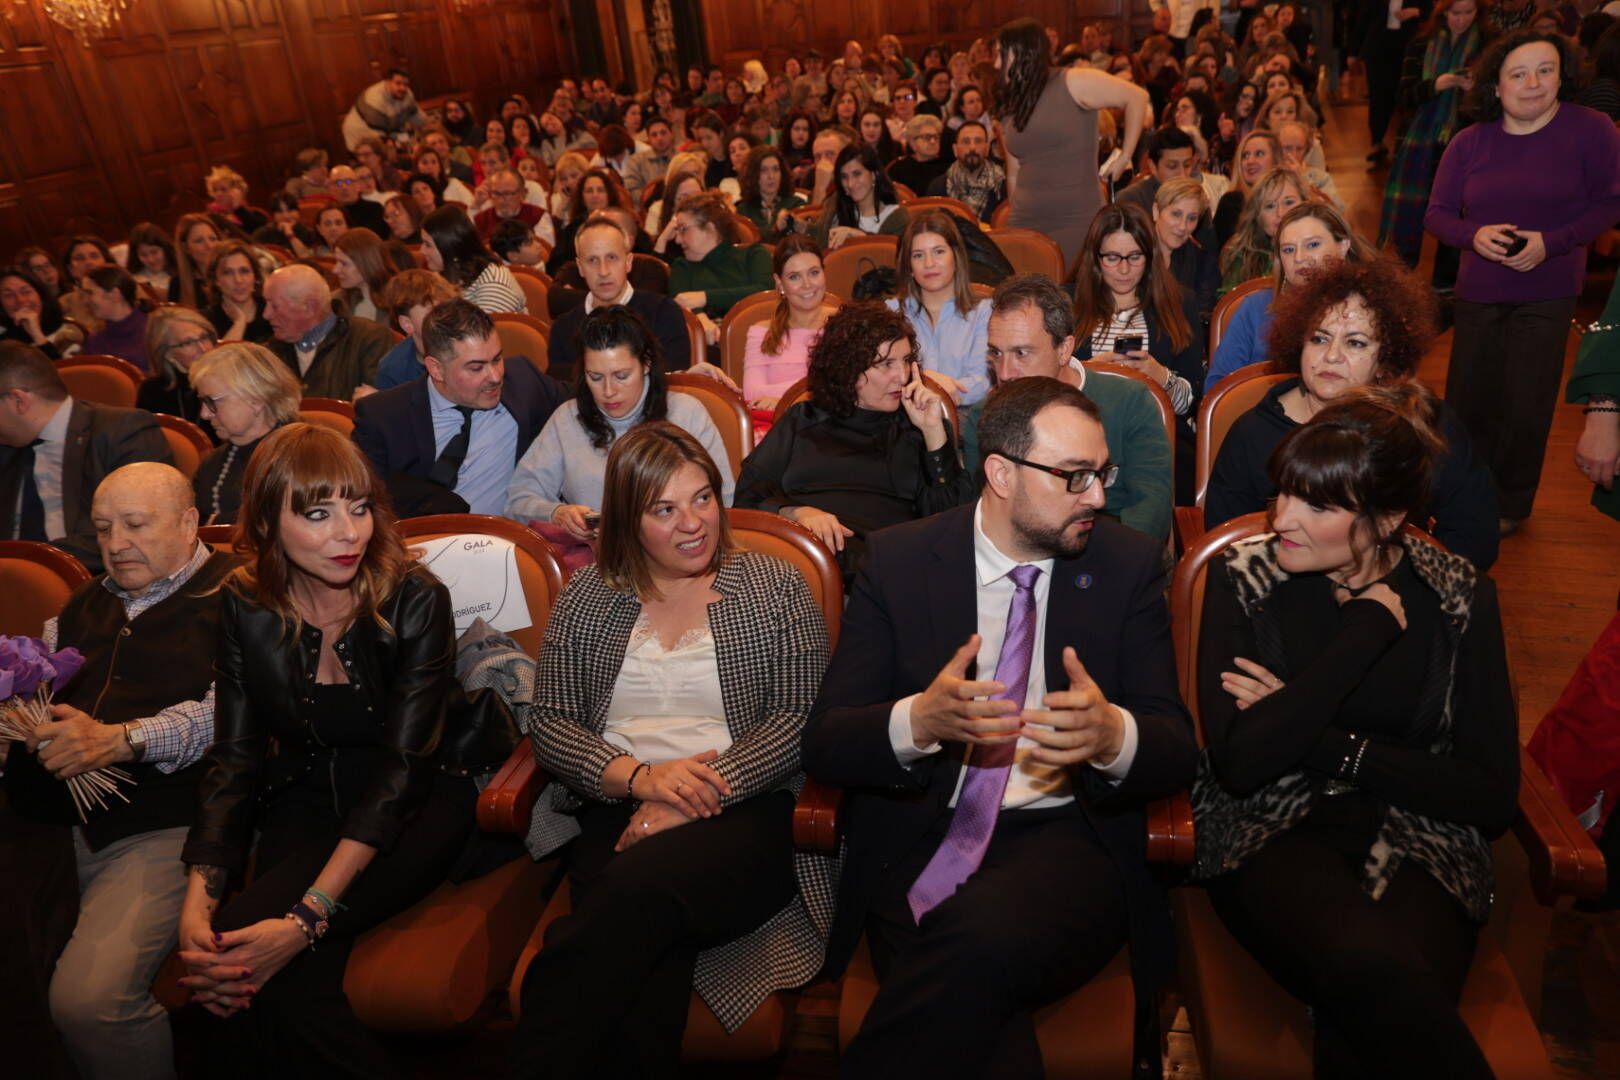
(144, 702)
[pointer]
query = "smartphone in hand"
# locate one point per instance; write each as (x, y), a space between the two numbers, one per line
(1128, 344)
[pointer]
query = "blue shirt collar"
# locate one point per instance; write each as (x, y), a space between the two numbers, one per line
(313, 339)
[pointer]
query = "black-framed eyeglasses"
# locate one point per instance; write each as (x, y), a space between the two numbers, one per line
(1111, 259)
(1078, 481)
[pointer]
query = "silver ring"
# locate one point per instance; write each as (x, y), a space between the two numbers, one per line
(680, 786)
(643, 824)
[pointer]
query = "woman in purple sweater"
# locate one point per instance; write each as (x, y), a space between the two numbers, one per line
(1521, 193)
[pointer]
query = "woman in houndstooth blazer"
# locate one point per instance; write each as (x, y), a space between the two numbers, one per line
(675, 678)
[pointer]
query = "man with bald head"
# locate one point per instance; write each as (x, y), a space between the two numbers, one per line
(144, 702)
(332, 355)
(55, 450)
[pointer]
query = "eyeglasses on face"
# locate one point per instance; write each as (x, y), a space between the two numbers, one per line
(1111, 259)
(1078, 481)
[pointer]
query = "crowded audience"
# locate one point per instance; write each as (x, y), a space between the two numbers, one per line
(948, 310)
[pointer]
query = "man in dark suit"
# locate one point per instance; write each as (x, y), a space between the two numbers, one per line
(996, 854)
(448, 442)
(55, 451)
(603, 256)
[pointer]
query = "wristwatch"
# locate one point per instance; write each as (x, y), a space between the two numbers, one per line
(136, 738)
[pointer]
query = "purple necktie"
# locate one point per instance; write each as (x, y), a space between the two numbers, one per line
(987, 768)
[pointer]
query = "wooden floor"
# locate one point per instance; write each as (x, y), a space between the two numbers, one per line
(1558, 579)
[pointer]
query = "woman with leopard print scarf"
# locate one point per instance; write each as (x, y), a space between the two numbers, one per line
(1361, 740)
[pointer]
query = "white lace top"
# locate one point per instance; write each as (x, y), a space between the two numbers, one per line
(667, 703)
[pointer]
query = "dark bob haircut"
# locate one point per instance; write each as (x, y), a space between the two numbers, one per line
(1372, 451)
(848, 345)
(1488, 69)
(1403, 312)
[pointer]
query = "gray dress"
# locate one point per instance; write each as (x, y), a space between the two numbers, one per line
(1057, 191)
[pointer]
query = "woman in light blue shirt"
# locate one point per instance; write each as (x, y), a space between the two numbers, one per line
(934, 294)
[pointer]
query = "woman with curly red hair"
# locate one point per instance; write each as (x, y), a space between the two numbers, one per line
(1353, 324)
(872, 447)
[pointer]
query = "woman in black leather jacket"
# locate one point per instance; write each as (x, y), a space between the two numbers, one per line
(335, 678)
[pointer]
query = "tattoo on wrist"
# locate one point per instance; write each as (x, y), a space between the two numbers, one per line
(214, 879)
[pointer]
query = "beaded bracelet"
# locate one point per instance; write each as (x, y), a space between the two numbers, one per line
(1344, 765)
(311, 921)
(1601, 408)
(309, 935)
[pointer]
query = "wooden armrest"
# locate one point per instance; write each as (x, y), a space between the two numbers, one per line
(504, 806)
(1170, 830)
(1189, 525)
(815, 817)
(1563, 859)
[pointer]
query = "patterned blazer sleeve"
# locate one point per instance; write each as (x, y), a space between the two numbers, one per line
(565, 691)
(781, 639)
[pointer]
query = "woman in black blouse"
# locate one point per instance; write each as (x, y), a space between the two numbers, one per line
(341, 745)
(1362, 747)
(872, 447)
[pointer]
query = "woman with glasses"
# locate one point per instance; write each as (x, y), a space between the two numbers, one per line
(1129, 309)
(873, 446)
(175, 338)
(245, 393)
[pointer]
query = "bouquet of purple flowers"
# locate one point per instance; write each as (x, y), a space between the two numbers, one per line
(28, 674)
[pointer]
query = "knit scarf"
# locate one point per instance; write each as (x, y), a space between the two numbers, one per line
(975, 188)
(1442, 55)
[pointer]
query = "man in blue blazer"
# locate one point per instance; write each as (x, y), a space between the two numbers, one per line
(1002, 705)
(448, 442)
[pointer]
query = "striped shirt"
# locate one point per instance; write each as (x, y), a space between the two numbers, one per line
(497, 291)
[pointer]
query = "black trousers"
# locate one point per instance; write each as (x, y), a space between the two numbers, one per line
(608, 994)
(301, 1023)
(1382, 977)
(1507, 361)
(1043, 914)
(1381, 55)
(39, 891)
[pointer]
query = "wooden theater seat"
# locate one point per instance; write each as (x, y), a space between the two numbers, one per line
(36, 580)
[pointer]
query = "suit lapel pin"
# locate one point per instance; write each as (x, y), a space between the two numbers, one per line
(1083, 581)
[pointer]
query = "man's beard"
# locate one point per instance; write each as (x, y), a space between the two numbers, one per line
(1052, 540)
(973, 162)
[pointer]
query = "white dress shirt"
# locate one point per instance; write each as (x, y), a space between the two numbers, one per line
(622, 299)
(48, 456)
(1031, 784)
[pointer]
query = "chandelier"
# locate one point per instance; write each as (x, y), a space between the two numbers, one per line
(85, 19)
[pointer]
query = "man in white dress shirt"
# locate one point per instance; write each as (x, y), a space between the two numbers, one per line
(1001, 706)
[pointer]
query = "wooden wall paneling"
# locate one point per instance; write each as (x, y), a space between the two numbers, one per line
(96, 139)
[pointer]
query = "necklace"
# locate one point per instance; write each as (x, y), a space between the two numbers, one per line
(219, 482)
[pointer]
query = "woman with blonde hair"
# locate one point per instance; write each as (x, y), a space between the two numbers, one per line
(227, 194)
(1249, 253)
(195, 237)
(566, 175)
(1257, 153)
(661, 211)
(363, 268)
(1178, 206)
(175, 337)
(343, 745)
(244, 393)
(1309, 237)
